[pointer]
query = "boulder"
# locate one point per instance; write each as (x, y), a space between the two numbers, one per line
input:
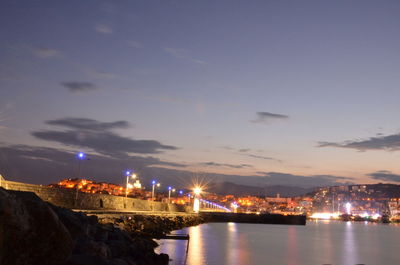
(30, 231)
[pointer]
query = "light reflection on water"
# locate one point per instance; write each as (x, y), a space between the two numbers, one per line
(319, 243)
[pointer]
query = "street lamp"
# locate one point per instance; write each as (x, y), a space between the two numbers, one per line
(169, 193)
(154, 184)
(128, 175)
(81, 156)
(196, 204)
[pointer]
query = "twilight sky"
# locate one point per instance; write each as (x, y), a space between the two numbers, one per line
(301, 93)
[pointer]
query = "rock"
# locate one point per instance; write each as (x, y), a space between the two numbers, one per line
(86, 259)
(30, 231)
(34, 232)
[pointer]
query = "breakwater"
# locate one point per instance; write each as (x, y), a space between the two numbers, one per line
(70, 198)
(254, 218)
(151, 225)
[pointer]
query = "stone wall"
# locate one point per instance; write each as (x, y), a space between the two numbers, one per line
(69, 198)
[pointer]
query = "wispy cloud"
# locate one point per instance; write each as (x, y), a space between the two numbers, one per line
(278, 178)
(76, 86)
(88, 124)
(267, 117)
(104, 29)
(213, 164)
(183, 54)
(43, 52)
(134, 44)
(263, 157)
(385, 175)
(389, 142)
(102, 74)
(246, 152)
(26, 163)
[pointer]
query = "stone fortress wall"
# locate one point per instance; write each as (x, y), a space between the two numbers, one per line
(69, 198)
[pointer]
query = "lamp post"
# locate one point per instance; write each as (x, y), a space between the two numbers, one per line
(154, 184)
(169, 193)
(81, 156)
(196, 204)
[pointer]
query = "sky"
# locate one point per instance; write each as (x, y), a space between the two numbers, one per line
(300, 93)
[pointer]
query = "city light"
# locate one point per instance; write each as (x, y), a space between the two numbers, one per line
(170, 189)
(81, 155)
(348, 208)
(325, 216)
(196, 205)
(154, 184)
(197, 190)
(128, 185)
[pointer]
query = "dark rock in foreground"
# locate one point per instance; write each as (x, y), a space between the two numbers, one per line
(35, 232)
(30, 232)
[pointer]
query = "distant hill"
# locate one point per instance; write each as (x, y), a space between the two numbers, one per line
(225, 188)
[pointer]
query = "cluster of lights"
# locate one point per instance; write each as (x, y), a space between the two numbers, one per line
(215, 205)
(129, 174)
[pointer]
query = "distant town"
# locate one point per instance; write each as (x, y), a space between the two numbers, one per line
(356, 202)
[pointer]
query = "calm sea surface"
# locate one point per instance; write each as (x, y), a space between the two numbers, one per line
(319, 243)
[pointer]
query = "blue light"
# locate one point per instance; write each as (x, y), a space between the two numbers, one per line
(180, 192)
(153, 182)
(81, 155)
(169, 188)
(127, 172)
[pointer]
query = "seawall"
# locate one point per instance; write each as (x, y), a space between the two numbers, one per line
(69, 198)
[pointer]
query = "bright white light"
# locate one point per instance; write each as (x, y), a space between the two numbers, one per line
(196, 205)
(348, 208)
(197, 190)
(376, 216)
(325, 216)
(364, 215)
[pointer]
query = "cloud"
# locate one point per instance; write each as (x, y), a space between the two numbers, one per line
(263, 157)
(104, 29)
(102, 74)
(45, 165)
(389, 142)
(213, 164)
(183, 54)
(385, 175)
(266, 117)
(277, 178)
(75, 86)
(88, 124)
(98, 136)
(43, 52)
(243, 150)
(134, 44)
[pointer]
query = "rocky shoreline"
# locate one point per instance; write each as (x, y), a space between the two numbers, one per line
(151, 226)
(36, 232)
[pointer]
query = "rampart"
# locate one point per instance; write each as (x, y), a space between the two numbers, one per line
(70, 198)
